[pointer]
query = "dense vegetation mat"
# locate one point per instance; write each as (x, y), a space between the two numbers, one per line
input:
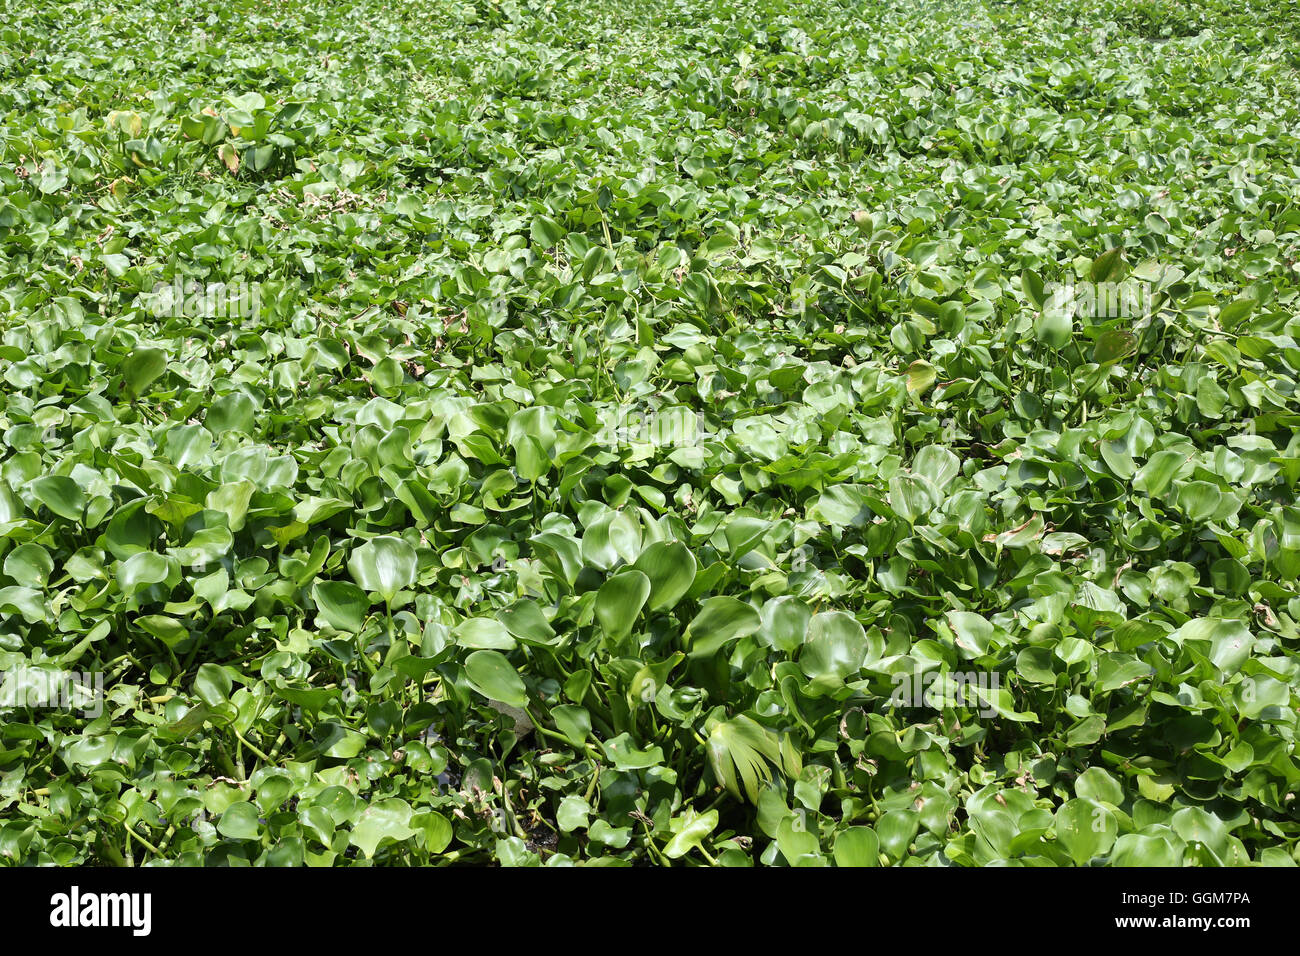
(652, 432)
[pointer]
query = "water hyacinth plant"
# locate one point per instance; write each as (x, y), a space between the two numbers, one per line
(677, 432)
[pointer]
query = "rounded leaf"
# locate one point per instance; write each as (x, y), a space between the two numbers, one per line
(619, 602)
(670, 566)
(491, 675)
(384, 566)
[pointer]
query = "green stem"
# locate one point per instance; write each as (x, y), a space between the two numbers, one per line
(591, 787)
(142, 841)
(261, 756)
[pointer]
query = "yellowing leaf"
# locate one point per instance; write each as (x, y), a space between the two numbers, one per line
(228, 155)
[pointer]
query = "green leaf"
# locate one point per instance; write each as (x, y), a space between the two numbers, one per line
(1113, 345)
(212, 685)
(30, 565)
(836, 648)
(573, 722)
(61, 495)
(572, 814)
(143, 570)
(1136, 849)
(1085, 829)
(1199, 500)
(857, 846)
(484, 633)
(619, 602)
(626, 756)
(142, 368)
(1234, 313)
(1155, 477)
(670, 567)
(1108, 267)
(239, 821)
(897, 829)
(384, 820)
(973, 634)
(721, 620)
(489, 673)
(1053, 326)
(740, 751)
(384, 566)
(689, 831)
(343, 605)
